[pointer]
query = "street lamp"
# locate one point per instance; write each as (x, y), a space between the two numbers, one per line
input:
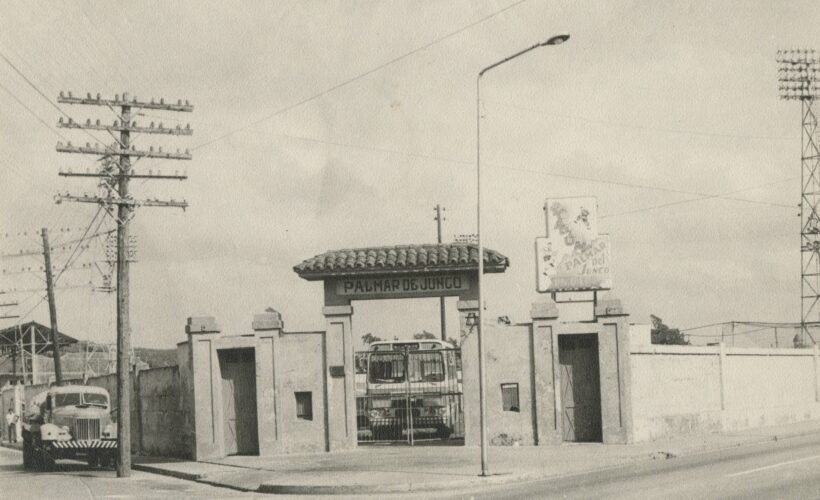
(482, 400)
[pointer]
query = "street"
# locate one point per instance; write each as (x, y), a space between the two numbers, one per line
(75, 480)
(787, 468)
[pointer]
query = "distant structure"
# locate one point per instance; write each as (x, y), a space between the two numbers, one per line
(27, 356)
(798, 77)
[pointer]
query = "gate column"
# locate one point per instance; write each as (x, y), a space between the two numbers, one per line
(546, 399)
(340, 397)
(468, 317)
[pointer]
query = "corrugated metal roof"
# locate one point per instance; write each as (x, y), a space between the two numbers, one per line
(400, 259)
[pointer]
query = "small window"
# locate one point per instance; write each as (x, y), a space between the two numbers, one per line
(304, 405)
(509, 397)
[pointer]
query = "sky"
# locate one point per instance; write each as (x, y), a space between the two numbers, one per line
(323, 125)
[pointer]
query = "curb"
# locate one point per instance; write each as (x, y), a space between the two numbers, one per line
(190, 476)
(365, 489)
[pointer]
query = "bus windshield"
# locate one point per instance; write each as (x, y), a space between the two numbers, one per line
(389, 367)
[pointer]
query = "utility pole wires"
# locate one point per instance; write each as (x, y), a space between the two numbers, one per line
(114, 177)
(52, 310)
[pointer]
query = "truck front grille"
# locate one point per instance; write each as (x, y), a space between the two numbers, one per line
(86, 428)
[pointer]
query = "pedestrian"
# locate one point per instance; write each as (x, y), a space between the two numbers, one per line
(11, 425)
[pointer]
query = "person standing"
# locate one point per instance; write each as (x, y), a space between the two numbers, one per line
(11, 425)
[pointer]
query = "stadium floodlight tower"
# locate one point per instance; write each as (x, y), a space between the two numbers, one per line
(798, 74)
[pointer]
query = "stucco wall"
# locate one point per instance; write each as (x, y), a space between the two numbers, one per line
(161, 413)
(299, 367)
(156, 411)
(508, 357)
(679, 390)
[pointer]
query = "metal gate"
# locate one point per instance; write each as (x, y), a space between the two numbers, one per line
(409, 396)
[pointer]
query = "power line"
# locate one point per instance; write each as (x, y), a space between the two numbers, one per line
(359, 76)
(21, 103)
(648, 127)
(708, 197)
(40, 92)
(702, 196)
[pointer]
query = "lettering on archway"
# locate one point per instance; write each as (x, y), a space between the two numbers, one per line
(401, 286)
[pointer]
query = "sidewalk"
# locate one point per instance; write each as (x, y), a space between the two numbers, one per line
(402, 469)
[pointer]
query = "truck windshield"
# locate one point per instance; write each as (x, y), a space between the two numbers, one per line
(67, 399)
(90, 398)
(389, 368)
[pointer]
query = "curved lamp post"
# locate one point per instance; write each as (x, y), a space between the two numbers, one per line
(555, 40)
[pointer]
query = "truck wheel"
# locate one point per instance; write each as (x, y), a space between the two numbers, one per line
(45, 462)
(28, 462)
(114, 460)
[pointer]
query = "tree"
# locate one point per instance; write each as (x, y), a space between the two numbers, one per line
(662, 334)
(369, 338)
(424, 335)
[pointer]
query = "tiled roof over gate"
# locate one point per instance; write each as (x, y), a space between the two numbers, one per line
(400, 259)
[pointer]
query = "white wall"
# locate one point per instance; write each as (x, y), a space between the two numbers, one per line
(679, 390)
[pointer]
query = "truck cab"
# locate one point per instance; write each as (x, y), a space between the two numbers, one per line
(69, 422)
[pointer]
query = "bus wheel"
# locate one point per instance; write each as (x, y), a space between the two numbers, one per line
(443, 432)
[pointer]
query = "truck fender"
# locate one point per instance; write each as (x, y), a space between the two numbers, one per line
(51, 432)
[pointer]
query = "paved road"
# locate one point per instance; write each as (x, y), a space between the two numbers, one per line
(75, 481)
(779, 469)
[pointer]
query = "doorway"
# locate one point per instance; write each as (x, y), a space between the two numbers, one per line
(238, 370)
(580, 387)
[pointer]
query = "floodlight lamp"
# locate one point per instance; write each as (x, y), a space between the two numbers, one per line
(556, 40)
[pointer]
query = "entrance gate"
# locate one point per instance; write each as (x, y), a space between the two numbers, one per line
(580, 387)
(409, 396)
(238, 371)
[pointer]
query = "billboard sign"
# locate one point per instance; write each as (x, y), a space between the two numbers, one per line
(573, 256)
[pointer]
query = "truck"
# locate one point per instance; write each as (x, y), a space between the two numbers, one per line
(69, 422)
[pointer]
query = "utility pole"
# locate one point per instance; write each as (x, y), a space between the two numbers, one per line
(114, 177)
(438, 218)
(799, 80)
(52, 310)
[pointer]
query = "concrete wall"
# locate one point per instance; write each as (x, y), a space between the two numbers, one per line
(285, 363)
(160, 413)
(109, 383)
(680, 390)
(527, 354)
(508, 354)
(299, 367)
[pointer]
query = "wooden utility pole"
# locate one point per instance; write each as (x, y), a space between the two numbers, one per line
(438, 220)
(123, 307)
(52, 310)
(115, 176)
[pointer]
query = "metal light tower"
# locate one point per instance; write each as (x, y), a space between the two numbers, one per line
(798, 73)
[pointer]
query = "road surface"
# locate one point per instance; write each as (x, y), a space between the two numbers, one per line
(787, 468)
(74, 480)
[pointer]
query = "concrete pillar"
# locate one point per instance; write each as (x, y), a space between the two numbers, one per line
(203, 374)
(340, 402)
(267, 328)
(616, 378)
(468, 317)
(544, 316)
